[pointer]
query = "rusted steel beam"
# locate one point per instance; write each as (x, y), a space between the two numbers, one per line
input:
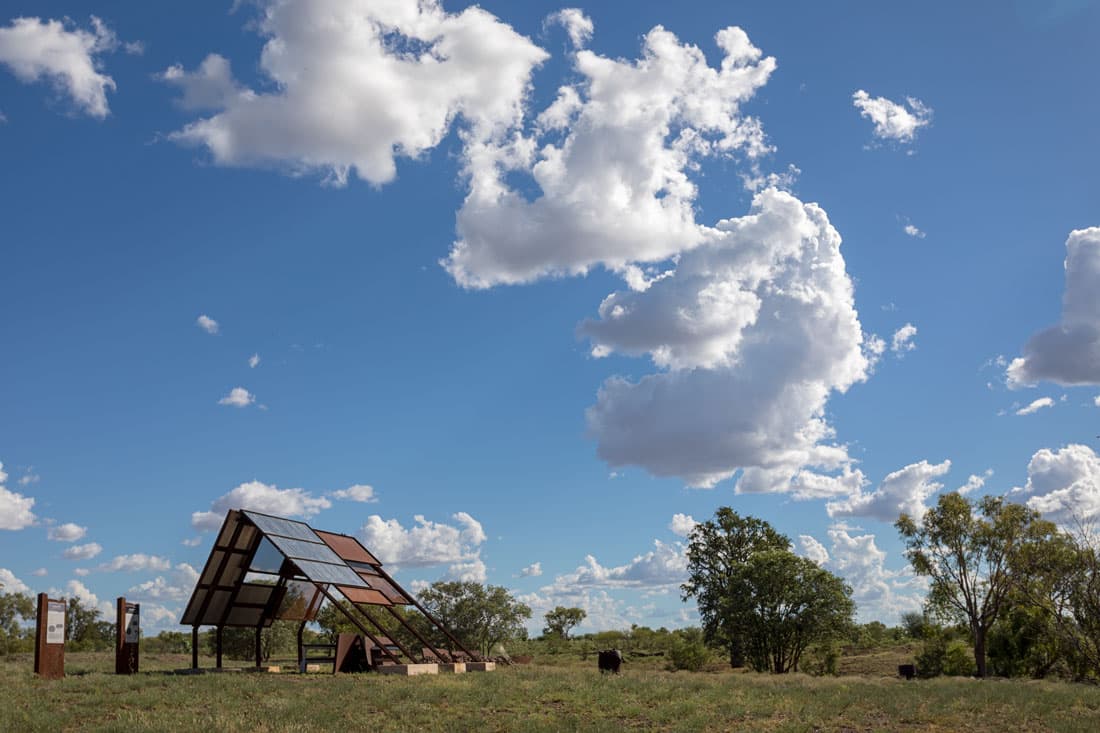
(382, 628)
(412, 630)
(358, 625)
(427, 615)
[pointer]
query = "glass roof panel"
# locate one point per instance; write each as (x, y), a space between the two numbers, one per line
(282, 527)
(230, 524)
(254, 593)
(321, 572)
(244, 617)
(211, 568)
(306, 550)
(267, 558)
(190, 616)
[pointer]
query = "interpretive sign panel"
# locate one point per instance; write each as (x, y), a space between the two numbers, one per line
(128, 636)
(49, 638)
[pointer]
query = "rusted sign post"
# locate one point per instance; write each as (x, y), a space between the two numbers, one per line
(128, 636)
(49, 638)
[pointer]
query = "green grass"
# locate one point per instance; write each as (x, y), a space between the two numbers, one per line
(534, 697)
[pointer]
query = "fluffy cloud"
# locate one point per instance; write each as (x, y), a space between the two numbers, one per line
(63, 54)
(1065, 484)
(610, 160)
(1035, 406)
(756, 329)
(682, 524)
(429, 543)
(913, 231)
(533, 570)
(893, 121)
(260, 497)
(903, 339)
(253, 361)
(76, 589)
(206, 323)
(356, 83)
(879, 593)
(238, 397)
(15, 509)
(82, 552)
(975, 482)
(903, 491)
(664, 565)
(358, 492)
(133, 563)
(1069, 353)
(176, 588)
(11, 584)
(813, 550)
(603, 611)
(68, 532)
(578, 25)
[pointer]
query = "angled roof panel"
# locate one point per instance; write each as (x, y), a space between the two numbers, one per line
(282, 527)
(348, 548)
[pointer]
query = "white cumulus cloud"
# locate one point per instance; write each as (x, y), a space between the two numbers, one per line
(358, 492)
(533, 570)
(177, 587)
(429, 543)
(260, 497)
(133, 563)
(610, 159)
(1069, 352)
(1065, 484)
(11, 584)
(82, 552)
(664, 565)
(903, 339)
(755, 330)
(813, 550)
(903, 491)
(682, 524)
(66, 56)
(1035, 405)
(15, 509)
(88, 599)
(893, 121)
(975, 482)
(879, 593)
(351, 84)
(578, 25)
(68, 532)
(206, 323)
(913, 231)
(238, 397)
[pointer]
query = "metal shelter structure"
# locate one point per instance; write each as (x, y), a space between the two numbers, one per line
(265, 568)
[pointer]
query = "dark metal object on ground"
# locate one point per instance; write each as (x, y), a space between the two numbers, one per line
(610, 660)
(264, 568)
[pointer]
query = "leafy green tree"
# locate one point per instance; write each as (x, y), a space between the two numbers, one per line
(481, 616)
(561, 621)
(240, 642)
(718, 552)
(1065, 585)
(792, 603)
(15, 608)
(972, 553)
(85, 630)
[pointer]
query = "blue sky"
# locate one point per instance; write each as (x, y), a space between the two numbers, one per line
(846, 258)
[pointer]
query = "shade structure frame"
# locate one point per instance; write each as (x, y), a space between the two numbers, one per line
(335, 565)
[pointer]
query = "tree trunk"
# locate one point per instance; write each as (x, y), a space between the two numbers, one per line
(979, 650)
(737, 653)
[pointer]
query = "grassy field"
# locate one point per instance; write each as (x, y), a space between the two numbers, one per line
(534, 697)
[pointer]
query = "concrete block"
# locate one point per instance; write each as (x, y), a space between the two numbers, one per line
(408, 670)
(456, 667)
(480, 666)
(270, 669)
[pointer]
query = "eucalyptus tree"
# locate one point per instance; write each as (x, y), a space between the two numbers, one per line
(975, 555)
